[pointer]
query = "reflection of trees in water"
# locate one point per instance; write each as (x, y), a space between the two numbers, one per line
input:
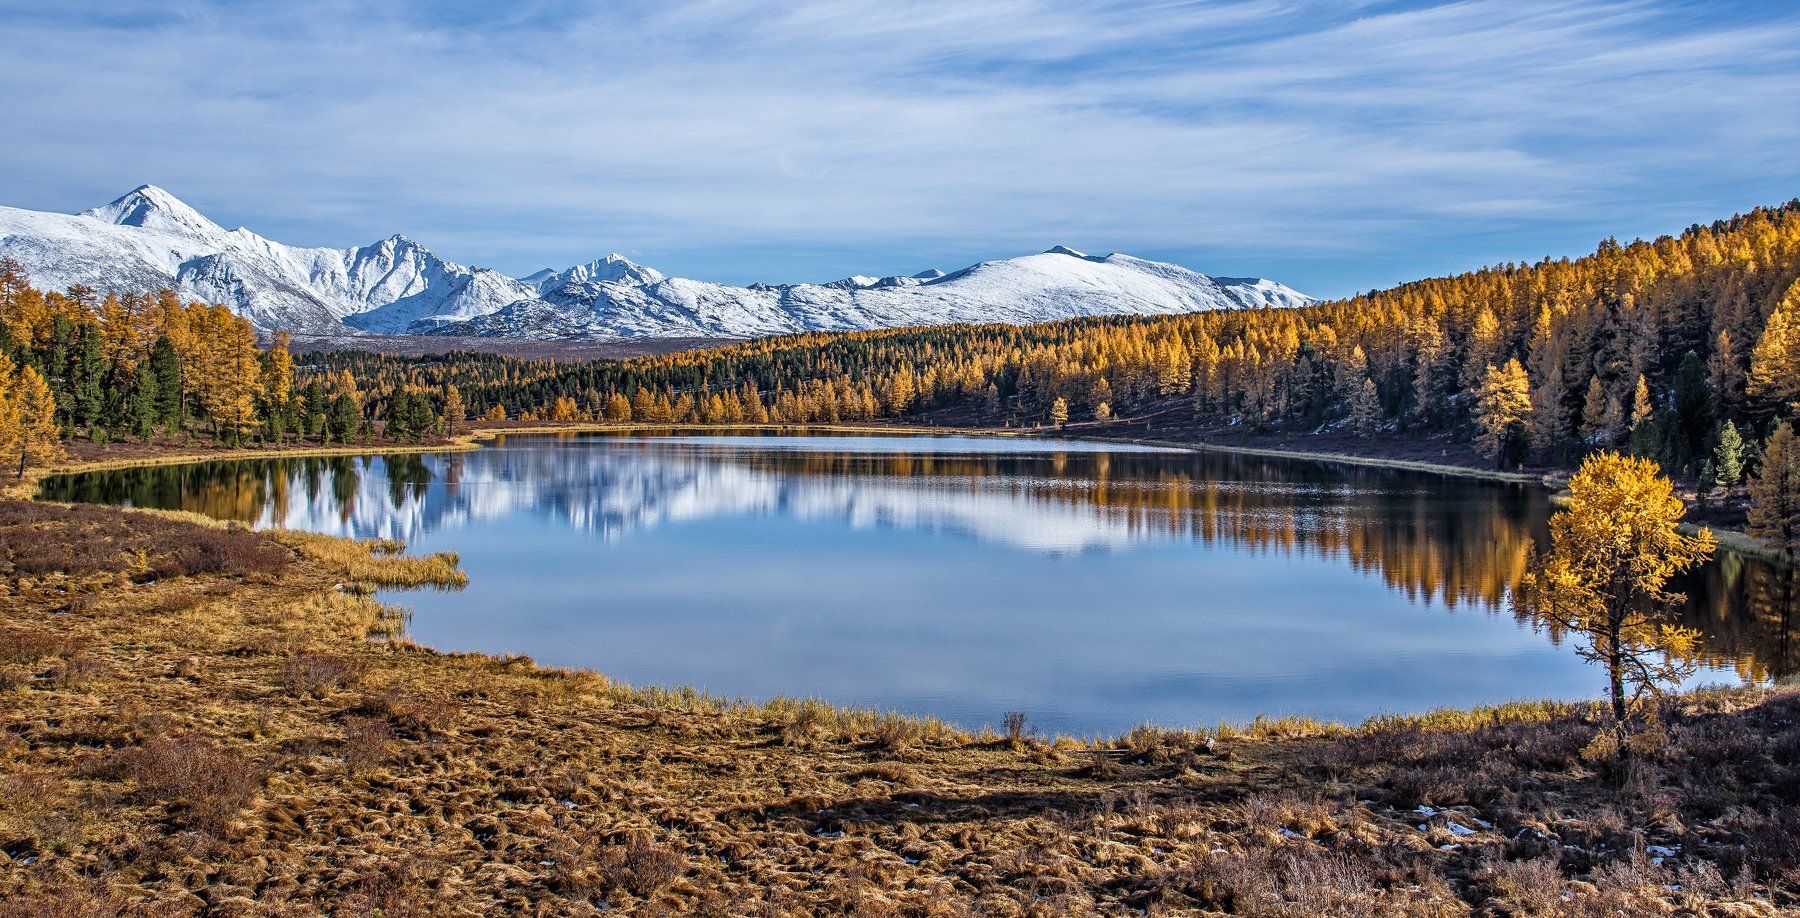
(407, 476)
(1431, 538)
(1745, 611)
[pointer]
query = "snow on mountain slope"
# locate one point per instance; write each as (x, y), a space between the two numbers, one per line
(1058, 284)
(149, 239)
(614, 267)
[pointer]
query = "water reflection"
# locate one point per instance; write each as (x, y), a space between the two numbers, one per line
(1171, 528)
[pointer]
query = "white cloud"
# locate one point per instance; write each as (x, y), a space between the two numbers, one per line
(707, 131)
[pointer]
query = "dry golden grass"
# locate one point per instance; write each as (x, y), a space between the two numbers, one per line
(380, 562)
(238, 741)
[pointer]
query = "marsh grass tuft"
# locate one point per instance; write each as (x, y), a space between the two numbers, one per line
(378, 561)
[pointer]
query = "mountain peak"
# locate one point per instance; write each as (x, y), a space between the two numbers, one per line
(151, 207)
(613, 268)
(148, 238)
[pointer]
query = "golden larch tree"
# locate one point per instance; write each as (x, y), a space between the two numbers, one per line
(1642, 408)
(27, 417)
(1605, 577)
(454, 409)
(1502, 410)
(278, 370)
(1365, 409)
(1774, 379)
(1775, 493)
(618, 408)
(230, 377)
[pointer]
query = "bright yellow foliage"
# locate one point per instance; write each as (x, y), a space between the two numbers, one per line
(1502, 404)
(1775, 493)
(28, 433)
(1605, 577)
(1775, 363)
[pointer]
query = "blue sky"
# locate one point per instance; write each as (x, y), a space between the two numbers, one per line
(1333, 146)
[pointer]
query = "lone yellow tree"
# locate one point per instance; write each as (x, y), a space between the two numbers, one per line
(1612, 552)
(1503, 409)
(1059, 412)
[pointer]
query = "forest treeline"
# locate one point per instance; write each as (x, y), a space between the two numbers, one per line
(1685, 349)
(144, 365)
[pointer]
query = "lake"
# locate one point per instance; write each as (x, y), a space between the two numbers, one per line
(1092, 586)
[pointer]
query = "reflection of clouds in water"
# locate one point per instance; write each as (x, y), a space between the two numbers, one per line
(369, 511)
(616, 491)
(1429, 539)
(1422, 535)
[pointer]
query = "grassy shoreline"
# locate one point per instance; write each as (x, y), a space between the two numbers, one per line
(195, 719)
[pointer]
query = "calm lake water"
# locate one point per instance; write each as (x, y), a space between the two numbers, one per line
(1093, 587)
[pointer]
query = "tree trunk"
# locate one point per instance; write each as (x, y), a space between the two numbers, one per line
(1615, 675)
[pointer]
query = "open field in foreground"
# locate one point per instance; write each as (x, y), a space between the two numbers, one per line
(197, 719)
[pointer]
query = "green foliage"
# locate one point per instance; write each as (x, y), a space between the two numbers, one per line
(345, 417)
(1728, 457)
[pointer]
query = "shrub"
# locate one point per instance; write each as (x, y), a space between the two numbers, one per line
(1015, 728)
(316, 674)
(413, 717)
(233, 552)
(1536, 886)
(651, 867)
(77, 669)
(29, 645)
(368, 741)
(209, 785)
(38, 539)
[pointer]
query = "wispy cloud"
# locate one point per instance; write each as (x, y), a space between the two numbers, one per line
(1335, 145)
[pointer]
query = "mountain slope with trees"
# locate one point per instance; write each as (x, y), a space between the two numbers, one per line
(1685, 349)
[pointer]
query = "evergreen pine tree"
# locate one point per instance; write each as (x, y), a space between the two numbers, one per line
(141, 404)
(345, 419)
(1728, 457)
(166, 366)
(1693, 413)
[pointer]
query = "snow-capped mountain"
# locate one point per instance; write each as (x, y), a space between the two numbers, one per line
(615, 298)
(149, 239)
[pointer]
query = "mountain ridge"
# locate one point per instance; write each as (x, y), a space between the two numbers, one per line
(148, 238)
